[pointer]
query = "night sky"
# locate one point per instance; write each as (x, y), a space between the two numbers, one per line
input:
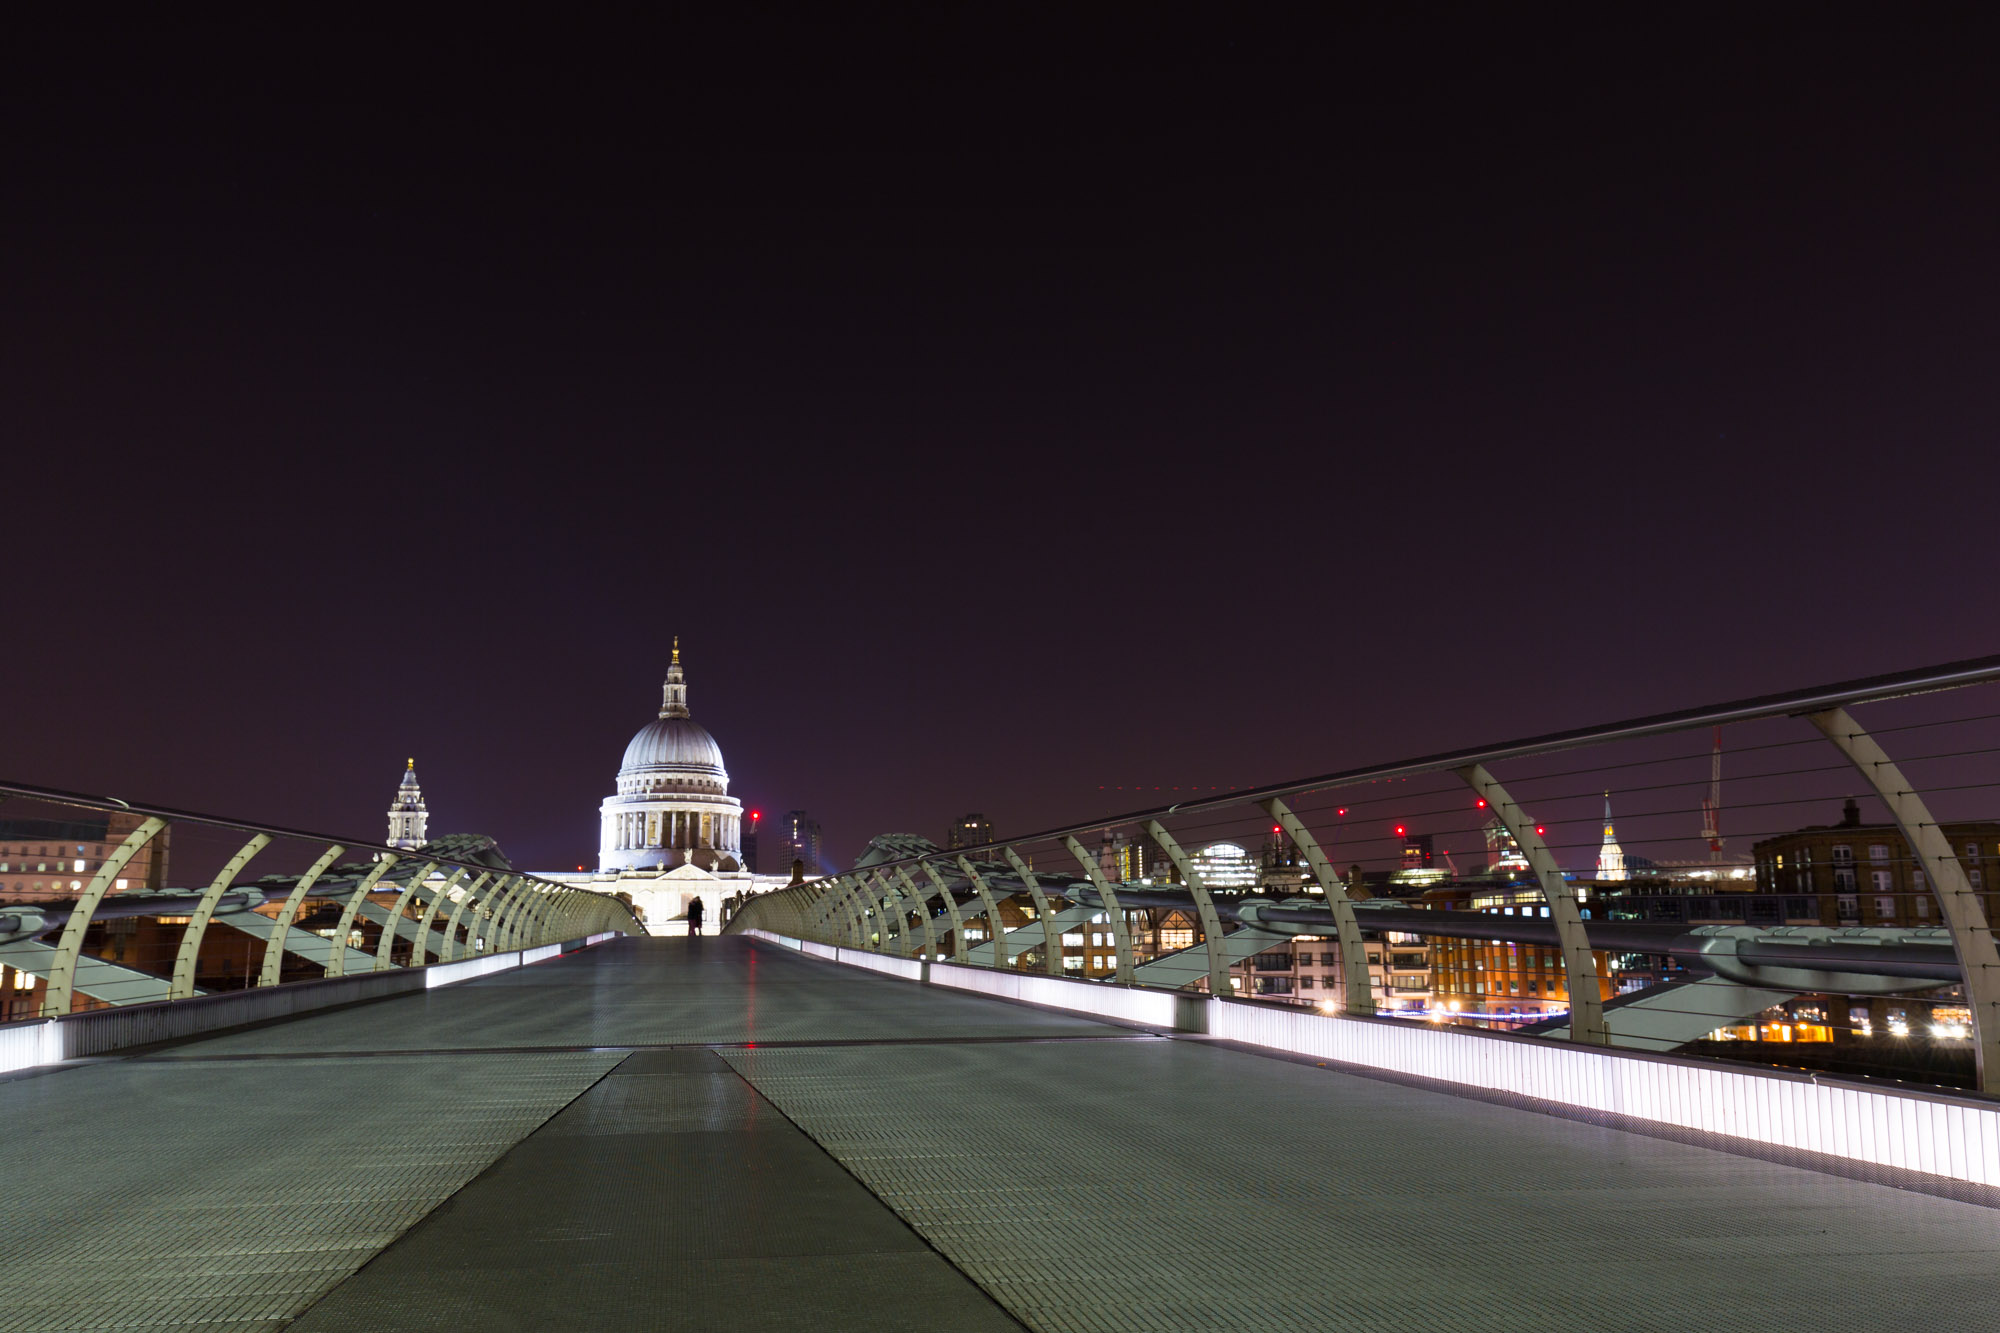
(999, 410)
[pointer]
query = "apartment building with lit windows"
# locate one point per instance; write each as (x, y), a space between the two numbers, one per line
(53, 860)
(1306, 971)
(1858, 874)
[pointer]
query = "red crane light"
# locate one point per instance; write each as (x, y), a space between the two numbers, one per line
(1400, 830)
(1276, 829)
(1481, 803)
(1540, 831)
(1341, 811)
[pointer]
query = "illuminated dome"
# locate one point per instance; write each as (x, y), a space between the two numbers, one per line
(674, 745)
(672, 806)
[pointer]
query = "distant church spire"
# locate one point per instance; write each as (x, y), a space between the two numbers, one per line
(676, 701)
(1610, 857)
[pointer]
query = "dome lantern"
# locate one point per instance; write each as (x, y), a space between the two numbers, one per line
(675, 703)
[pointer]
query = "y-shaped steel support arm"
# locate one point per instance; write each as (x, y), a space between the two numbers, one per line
(505, 913)
(274, 948)
(431, 913)
(1359, 999)
(384, 948)
(881, 890)
(951, 905)
(451, 949)
(189, 953)
(336, 964)
(62, 973)
(849, 899)
(1051, 942)
(990, 908)
(1586, 1001)
(1204, 906)
(923, 910)
(1964, 914)
(1121, 932)
(826, 902)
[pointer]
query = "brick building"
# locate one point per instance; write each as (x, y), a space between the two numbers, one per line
(1860, 874)
(52, 860)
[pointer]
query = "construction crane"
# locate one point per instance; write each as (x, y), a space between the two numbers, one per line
(1711, 804)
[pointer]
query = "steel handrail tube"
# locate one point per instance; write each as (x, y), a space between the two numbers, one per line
(1819, 698)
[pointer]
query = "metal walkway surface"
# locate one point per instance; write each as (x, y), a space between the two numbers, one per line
(668, 1134)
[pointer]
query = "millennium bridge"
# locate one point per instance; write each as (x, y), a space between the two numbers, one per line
(380, 1089)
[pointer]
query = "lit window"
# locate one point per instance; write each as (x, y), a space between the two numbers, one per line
(77, 868)
(122, 883)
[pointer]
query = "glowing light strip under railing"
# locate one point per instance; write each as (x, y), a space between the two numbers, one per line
(446, 974)
(1157, 1007)
(35, 1042)
(1955, 1135)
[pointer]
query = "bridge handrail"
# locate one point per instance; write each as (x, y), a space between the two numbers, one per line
(511, 910)
(874, 907)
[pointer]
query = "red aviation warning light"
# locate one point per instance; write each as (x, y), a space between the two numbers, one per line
(1480, 803)
(1341, 811)
(1401, 831)
(1541, 831)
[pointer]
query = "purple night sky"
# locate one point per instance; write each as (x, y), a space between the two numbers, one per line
(997, 414)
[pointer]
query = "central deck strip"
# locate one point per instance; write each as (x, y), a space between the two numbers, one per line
(669, 1196)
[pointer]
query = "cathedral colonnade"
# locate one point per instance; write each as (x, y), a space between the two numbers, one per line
(684, 830)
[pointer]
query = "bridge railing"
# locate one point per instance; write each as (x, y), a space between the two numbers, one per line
(108, 904)
(1825, 903)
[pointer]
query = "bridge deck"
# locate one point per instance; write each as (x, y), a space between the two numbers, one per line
(675, 1134)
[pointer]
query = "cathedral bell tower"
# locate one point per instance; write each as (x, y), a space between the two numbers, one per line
(408, 819)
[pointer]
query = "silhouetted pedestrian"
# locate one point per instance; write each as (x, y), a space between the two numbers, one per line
(694, 917)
